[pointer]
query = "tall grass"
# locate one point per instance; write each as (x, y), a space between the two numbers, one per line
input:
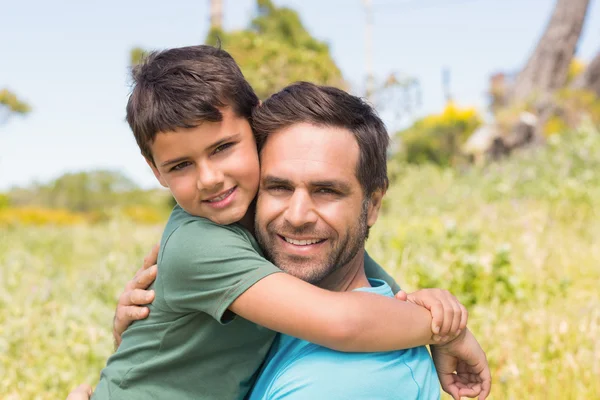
(518, 242)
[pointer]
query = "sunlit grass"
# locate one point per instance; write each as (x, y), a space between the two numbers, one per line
(518, 242)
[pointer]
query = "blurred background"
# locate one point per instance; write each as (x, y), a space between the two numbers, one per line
(494, 112)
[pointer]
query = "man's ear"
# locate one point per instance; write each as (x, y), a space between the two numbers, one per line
(374, 206)
(156, 172)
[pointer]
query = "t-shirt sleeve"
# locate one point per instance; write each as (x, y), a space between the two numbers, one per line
(206, 267)
(375, 271)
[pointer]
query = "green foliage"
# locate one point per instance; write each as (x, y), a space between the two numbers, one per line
(12, 104)
(136, 55)
(99, 193)
(277, 50)
(517, 241)
(438, 138)
(4, 201)
(572, 107)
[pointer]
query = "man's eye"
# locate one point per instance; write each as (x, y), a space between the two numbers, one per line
(180, 166)
(278, 188)
(327, 191)
(222, 147)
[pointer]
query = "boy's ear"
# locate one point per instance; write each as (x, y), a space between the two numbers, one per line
(156, 173)
(374, 206)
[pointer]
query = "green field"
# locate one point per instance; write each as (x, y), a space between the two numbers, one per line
(518, 242)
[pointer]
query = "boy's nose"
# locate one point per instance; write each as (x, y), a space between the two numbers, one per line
(209, 178)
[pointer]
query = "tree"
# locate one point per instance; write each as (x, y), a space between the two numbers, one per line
(524, 108)
(10, 104)
(276, 50)
(216, 14)
(590, 78)
(547, 68)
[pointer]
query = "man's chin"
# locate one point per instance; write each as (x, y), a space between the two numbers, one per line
(305, 268)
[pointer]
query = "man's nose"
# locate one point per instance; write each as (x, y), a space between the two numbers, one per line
(300, 210)
(209, 177)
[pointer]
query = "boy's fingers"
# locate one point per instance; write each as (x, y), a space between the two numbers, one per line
(454, 330)
(402, 295)
(448, 320)
(437, 314)
(151, 257)
(464, 317)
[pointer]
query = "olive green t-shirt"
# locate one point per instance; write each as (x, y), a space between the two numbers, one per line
(190, 346)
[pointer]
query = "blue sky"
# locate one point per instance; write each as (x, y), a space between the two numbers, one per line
(69, 59)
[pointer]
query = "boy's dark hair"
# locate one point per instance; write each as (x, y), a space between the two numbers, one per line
(182, 87)
(305, 102)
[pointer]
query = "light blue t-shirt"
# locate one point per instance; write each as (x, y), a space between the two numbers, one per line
(297, 369)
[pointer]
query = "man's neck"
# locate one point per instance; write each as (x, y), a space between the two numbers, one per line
(349, 277)
(248, 220)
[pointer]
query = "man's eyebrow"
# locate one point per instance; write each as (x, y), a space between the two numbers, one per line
(212, 146)
(274, 180)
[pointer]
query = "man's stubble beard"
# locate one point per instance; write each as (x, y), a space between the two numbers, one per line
(314, 272)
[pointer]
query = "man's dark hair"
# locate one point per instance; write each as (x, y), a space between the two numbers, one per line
(182, 87)
(305, 102)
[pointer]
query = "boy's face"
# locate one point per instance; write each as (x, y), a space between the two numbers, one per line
(212, 170)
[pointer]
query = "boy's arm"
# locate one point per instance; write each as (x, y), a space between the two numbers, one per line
(344, 321)
(374, 270)
(215, 269)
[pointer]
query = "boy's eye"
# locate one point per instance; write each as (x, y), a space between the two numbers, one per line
(222, 147)
(180, 166)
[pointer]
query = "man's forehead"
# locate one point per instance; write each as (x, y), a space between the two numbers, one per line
(301, 137)
(311, 153)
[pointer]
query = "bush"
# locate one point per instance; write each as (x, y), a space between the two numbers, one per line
(438, 138)
(39, 216)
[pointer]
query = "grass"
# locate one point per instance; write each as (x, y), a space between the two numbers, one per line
(517, 242)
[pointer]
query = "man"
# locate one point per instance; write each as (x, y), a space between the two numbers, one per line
(323, 176)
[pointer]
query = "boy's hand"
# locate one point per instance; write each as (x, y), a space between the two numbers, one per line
(135, 296)
(462, 367)
(82, 392)
(449, 317)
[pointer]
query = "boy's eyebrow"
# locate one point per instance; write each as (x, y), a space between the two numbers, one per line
(212, 146)
(224, 140)
(173, 161)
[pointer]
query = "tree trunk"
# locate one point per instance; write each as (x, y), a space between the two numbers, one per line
(590, 78)
(547, 68)
(216, 14)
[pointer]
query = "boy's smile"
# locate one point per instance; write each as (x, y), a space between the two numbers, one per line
(212, 169)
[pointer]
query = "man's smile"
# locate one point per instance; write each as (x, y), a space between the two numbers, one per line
(302, 242)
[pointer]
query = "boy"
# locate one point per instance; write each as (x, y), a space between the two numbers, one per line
(189, 113)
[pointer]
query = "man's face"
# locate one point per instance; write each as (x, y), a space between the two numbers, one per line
(311, 215)
(212, 170)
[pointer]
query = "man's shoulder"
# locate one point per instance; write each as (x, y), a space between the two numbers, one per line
(311, 371)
